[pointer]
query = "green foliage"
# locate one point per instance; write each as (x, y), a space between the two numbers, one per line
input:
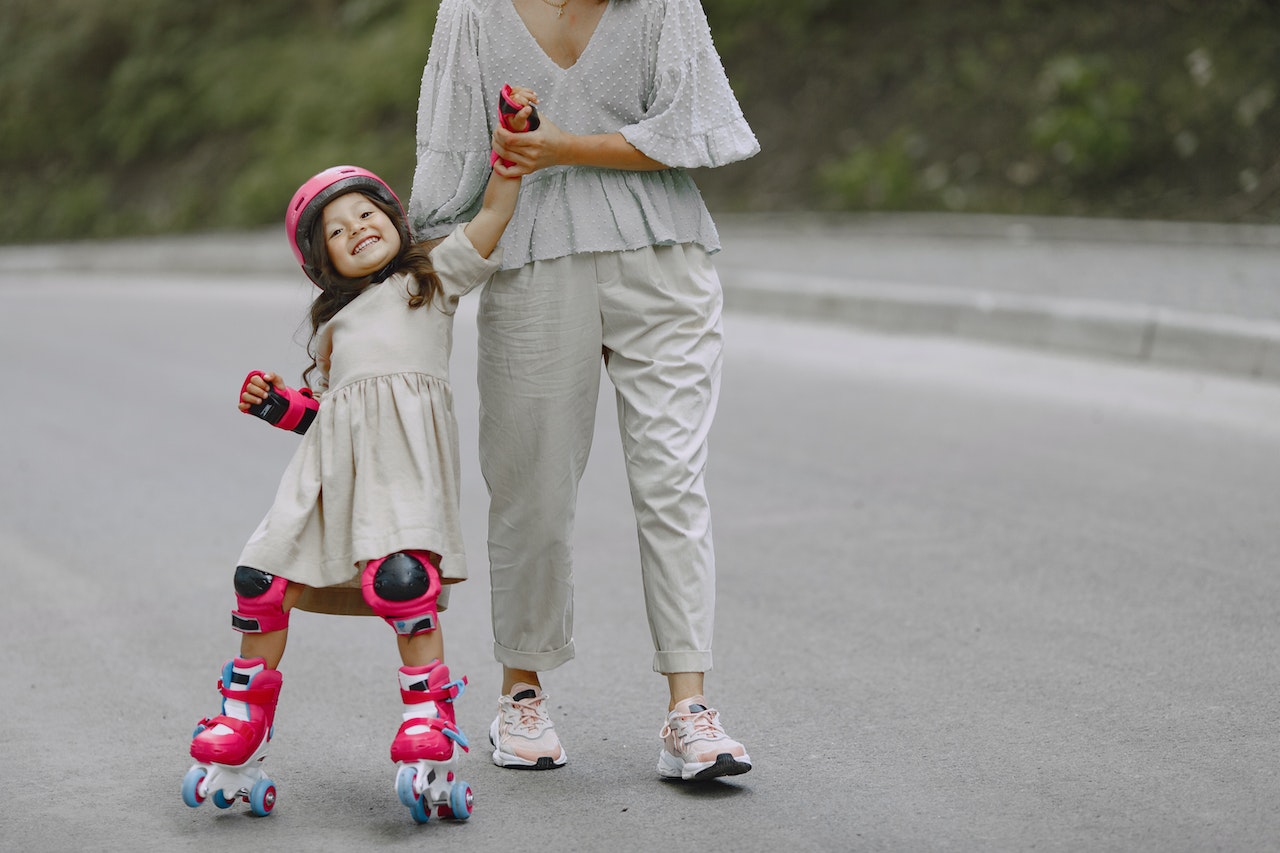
(147, 116)
(150, 116)
(1084, 117)
(886, 176)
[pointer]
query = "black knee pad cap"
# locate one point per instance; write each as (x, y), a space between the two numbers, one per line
(251, 583)
(401, 578)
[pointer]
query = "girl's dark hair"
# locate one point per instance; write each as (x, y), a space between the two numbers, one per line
(337, 291)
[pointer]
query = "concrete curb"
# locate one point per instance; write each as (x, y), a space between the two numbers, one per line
(1223, 344)
(1215, 343)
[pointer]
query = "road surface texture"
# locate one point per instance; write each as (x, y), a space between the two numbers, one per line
(971, 596)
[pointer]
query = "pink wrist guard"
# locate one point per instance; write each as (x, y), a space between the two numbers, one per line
(286, 408)
(506, 109)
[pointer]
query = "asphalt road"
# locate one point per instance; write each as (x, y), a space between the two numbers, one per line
(970, 599)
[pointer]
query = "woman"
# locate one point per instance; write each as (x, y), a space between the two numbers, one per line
(608, 252)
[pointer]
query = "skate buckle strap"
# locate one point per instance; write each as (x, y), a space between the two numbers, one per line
(455, 734)
(447, 692)
(246, 731)
(411, 626)
(448, 729)
(249, 695)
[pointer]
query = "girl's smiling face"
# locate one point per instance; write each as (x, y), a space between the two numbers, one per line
(359, 237)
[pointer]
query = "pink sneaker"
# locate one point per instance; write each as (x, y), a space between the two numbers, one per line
(522, 734)
(695, 746)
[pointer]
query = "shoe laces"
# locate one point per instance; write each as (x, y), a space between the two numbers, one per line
(529, 715)
(703, 725)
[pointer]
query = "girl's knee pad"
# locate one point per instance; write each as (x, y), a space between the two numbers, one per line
(402, 588)
(259, 602)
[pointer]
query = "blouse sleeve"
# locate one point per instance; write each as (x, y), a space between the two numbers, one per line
(693, 118)
(453, 134)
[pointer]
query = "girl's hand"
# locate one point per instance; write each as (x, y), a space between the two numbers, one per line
(525, 97)
(255, 390)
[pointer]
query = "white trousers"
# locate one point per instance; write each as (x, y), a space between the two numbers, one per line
(655, 313)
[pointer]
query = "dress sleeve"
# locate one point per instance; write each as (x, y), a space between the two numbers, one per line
(693, 118)
(453, 142)
(461, 268)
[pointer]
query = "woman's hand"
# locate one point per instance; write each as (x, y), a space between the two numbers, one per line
(532, 150)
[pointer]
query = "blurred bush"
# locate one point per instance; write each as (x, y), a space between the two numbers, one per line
(147, 116)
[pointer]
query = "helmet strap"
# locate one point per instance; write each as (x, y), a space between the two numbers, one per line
(384, 273)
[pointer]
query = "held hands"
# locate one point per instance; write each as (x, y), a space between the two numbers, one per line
(516, 110)
(523, 148)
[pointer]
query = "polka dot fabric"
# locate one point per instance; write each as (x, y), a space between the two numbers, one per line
(650, 72)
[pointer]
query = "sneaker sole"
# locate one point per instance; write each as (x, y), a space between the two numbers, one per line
(725, 764)
(546, 762)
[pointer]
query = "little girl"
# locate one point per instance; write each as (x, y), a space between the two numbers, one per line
(366, 516)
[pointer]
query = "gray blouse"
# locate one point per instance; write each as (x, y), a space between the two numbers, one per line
(649, 72)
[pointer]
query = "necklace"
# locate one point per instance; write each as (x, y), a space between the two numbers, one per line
(559, 7)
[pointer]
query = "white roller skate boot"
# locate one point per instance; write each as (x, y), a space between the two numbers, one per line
(229, 749)
(426, 747)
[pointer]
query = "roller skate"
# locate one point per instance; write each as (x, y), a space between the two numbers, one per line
(230, 748)
(426, 747)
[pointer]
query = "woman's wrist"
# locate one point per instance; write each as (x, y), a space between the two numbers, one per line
(605, 150)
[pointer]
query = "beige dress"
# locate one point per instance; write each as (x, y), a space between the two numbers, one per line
(378, 471)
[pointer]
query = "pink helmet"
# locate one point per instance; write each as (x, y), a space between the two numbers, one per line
(318, 191)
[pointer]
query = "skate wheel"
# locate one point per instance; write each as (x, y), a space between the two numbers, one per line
(405, 778)
(191, 786)
(262, 799)
(220, 800)
(420, 811)
(461, 800)
(417, 804)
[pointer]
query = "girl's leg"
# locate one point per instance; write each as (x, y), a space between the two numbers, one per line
(270, 645)
(422, 649)
(250, 684)
(404, 588)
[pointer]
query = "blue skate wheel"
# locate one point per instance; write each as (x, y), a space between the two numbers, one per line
(262, 799)
(420, 811)
(220, 800)
(191, 786)
(460, 800)
(405, 778)
(418, 807)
